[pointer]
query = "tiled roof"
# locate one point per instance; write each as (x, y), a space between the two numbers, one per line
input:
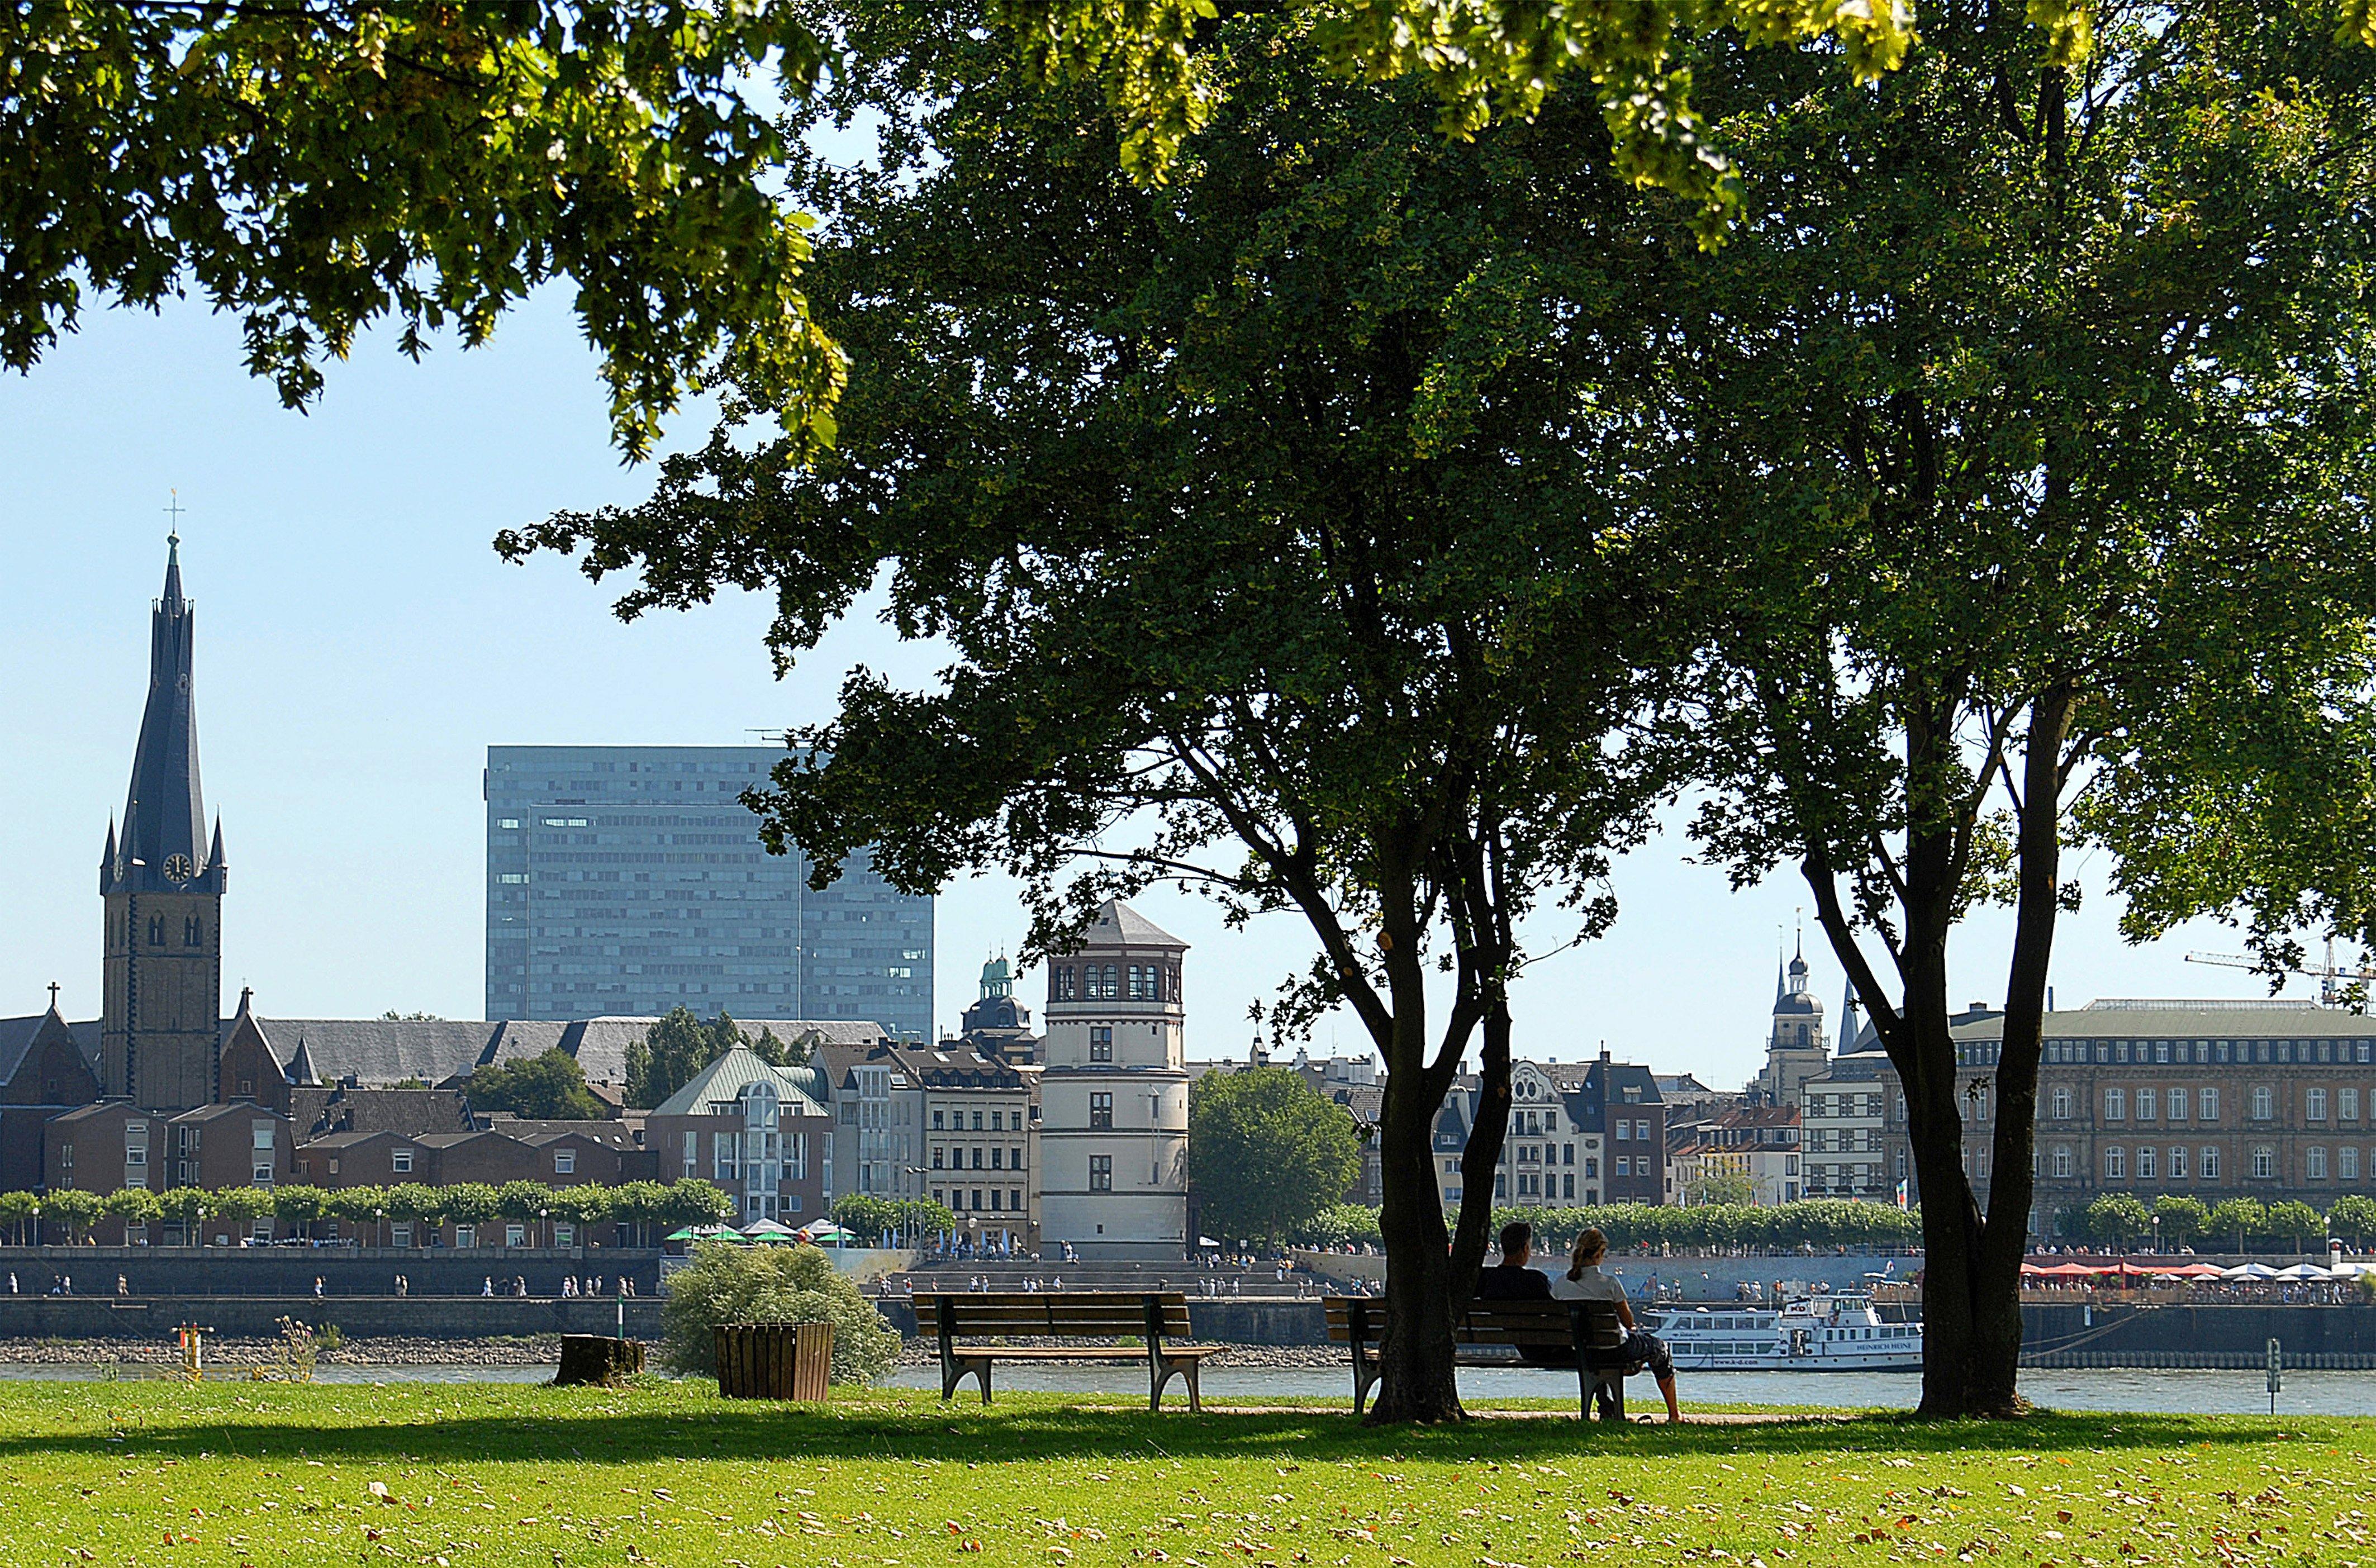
(723, 1082)
(16, 1035)
(376, 1109)
(2117, 1018)
(378, 1051)
(1118, 925)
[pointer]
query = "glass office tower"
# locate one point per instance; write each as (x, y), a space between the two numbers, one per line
(630, 880)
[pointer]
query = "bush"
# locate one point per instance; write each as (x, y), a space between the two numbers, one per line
(726, 1283)
(1340, 1224)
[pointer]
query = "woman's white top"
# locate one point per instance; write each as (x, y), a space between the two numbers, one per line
(1589, 1285)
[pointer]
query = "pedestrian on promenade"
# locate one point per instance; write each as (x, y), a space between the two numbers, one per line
(318, 1286)
(403, 1286)
(487, 1286)
(122, 1286)
(12, 1282)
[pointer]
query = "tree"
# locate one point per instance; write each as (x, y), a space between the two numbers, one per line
(677, 1048)
(314, 170)
(2181, 1219)
(416, 1202)
(2354, 1216)
(528, 1202)
(301, 1206)
(18, 1211)
(470, 1203)
(134, 1206)
(2241, 1217)
(1724, 1185)
(549, 1086)
(2118, 1219)
(1482, 59)
(1261, 515)
(912, 1218)
(2028, 523)
(1266, 1154)
(188, 1207)
(240, 1207)
(363, 1209)
(2295, 1220)
(639, 1206)
(72, 1210)
(690, 1201)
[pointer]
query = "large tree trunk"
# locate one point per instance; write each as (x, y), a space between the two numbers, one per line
(1416, 1380)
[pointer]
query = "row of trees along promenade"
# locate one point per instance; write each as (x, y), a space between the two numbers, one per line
(649, 1209)
(1922, 454)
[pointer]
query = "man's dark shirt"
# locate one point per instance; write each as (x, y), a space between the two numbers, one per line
(1512, 1282)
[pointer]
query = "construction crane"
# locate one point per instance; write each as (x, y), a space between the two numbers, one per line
(2337, 987)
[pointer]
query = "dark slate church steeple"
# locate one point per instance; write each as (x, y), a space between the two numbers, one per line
(162, 880)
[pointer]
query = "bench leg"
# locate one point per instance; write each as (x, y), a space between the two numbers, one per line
(1608, 1389)
(1365, 1377)
(956, 1369)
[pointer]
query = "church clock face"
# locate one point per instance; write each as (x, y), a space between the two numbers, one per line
(177, 868)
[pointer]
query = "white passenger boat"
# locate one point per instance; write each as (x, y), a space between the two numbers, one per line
(1813, 1333)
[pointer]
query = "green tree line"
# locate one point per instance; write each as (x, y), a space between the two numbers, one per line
(647, 1206)
(2122, 1219)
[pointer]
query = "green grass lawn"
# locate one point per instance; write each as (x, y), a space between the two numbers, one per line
(230, 1473)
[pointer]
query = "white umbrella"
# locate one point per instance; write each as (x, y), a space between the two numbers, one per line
(2350, 1269)
(2249, 1271)
(2301, 1271)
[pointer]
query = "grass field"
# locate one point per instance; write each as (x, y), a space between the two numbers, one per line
(156, 1473)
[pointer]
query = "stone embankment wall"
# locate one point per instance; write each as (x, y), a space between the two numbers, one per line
(344, 1271)
(2342, 1338)
(356, 1317)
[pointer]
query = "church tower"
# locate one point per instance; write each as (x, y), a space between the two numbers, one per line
(163, 886)
(1795, 1051)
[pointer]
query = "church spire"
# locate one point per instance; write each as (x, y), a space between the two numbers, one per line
(164, 841)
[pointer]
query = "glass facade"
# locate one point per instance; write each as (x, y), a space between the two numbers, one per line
(630, 880)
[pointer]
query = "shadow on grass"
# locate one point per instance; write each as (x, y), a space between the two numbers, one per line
(571, 1427)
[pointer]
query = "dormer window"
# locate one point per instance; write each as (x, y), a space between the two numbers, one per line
(399, 1161)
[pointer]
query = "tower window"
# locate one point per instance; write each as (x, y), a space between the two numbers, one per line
(156, 930)
(192, 931)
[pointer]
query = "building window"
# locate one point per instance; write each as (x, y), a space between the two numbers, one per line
(564, 1162)
(936, 1119)
(1015, 1159)
(2206, 1163)
(2265, 1102)
(994, 1155)
(2062, 1104)
(2146, 1163)
(1591, 1169)
(936, 1154)
(400, 1161)
(1568, 1183)
(1014, 1199)
(1101, 1173)
(1102, 1043)
(976, 1159)
(2347, 1105)
(2347, 1163)
(2116, 1164)
(2314, 1163)
(2148, 1107)
(2177, 1164)
(2116, 1105)
(156, 930)
(2315, 1104)
(2208, 1105)
(192, 931)
(2264, 1163)
(2062, 1160)
(2177, 1105)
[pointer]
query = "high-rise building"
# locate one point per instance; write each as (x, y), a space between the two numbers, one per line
(631, 880)
(162, 883)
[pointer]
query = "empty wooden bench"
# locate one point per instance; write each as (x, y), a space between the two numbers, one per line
(966, 1326)
(1590, 1333)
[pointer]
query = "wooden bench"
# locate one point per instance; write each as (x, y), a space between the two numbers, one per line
(959, 1323)
(1589, 1333)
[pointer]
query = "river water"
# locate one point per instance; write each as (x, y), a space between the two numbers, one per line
(2188, 1393)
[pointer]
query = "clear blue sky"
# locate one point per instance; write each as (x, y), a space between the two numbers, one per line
(359, 646)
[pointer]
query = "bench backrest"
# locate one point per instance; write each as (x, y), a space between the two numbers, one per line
(1491, 1322)
(1054, 1314)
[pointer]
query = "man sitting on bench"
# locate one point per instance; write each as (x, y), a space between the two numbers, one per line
(1512, 1280)
(1584, 1282)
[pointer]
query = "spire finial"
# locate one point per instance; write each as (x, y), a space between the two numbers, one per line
(53, 996)
(175, 509)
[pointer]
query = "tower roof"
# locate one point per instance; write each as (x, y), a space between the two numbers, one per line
(164, 811)
(1118, 925)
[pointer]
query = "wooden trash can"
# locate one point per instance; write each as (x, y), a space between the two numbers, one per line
(774, 1360)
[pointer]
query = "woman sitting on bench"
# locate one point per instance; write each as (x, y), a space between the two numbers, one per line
(1584, 1282)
